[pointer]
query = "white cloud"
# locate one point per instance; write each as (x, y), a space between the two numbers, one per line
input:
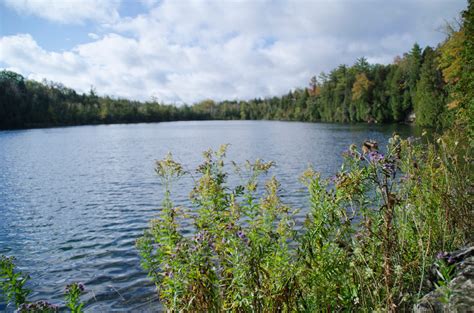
(93, 36)
(24, 52)
(186, 51)
(68, 11)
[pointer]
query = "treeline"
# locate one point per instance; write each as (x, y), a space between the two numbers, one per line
(27, 103)
(414, 85)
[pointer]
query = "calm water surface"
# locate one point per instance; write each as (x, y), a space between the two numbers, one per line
(73, 200)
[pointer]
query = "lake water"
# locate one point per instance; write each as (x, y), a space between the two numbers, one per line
(73, 200)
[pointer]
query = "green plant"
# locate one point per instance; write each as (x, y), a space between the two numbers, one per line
(73, 293)
(12, 284)
(445, 271)
(12, 281)
(366, 244)
(241, 242)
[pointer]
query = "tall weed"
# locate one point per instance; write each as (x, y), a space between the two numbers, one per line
(370, 234)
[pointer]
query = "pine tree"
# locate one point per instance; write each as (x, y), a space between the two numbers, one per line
(429, 96)
(414, 67)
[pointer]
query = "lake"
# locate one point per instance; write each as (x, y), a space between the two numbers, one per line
(73, 200)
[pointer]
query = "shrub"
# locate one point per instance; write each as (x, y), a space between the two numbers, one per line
(13, 286)
(369, 236)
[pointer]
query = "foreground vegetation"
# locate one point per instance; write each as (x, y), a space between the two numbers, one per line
(371, 234)
(14, 290)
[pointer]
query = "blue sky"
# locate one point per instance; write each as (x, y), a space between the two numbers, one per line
(184, 51)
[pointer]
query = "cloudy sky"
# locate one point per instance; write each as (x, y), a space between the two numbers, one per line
(183, 51)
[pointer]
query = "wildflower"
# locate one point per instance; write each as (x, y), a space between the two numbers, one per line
(24, 307)
(199, 237)
(39, 306)
(389, 167)
(441, 255)
(451, 260)
(375, 156)
(241, 234)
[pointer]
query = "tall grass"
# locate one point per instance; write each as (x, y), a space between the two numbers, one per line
(369, 237)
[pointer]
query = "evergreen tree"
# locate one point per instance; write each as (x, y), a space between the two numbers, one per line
(414, 67)
(429, 97)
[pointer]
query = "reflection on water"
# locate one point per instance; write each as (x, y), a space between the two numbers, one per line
(73, 200)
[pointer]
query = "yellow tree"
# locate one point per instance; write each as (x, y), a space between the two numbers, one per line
(361, 96)
(450, 62)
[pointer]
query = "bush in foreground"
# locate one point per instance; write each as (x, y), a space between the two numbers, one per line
(368, 239)
(13, 289)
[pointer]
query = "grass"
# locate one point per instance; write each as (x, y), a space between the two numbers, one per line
(370, 235)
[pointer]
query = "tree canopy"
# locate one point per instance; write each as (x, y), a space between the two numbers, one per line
(432, 83)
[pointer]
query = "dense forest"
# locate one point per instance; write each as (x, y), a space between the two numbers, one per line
(416, 84)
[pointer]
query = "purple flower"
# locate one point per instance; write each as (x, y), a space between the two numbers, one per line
(73, 286)
(375, 156)
(241, 234)
(451, 260)
(441, 255)
(39, 306)
(389, 167)
(199, 237)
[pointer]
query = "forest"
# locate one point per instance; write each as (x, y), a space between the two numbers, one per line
(416, 84)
